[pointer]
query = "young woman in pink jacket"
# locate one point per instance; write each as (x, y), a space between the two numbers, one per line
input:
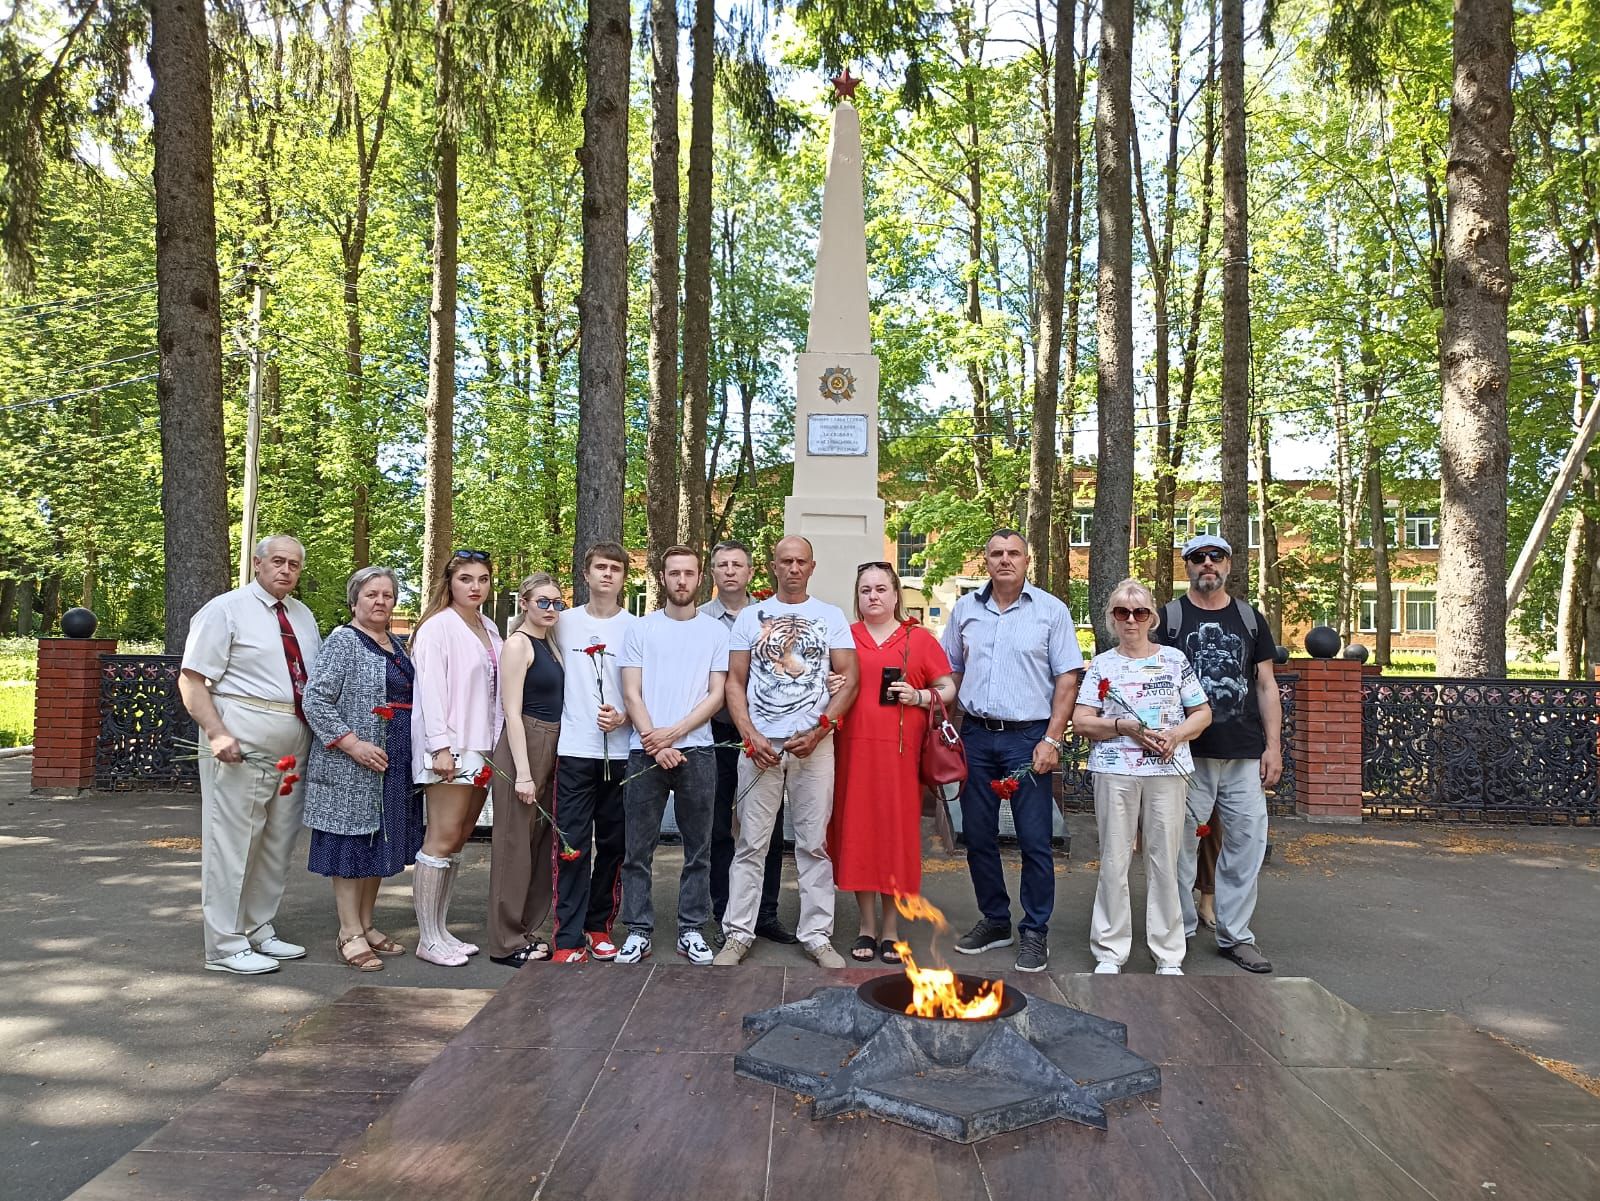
(455, 724)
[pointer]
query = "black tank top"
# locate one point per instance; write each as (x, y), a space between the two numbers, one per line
(542, 687)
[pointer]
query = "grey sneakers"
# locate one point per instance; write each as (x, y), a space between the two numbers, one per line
(985, 936)
(1035, 952)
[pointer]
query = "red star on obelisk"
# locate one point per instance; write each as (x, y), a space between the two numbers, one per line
(844, 86)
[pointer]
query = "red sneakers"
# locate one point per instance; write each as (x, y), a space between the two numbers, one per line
(570, 955)
(600, 945)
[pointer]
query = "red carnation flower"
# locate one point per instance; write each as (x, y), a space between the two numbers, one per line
(761, 594)
(485, 774)
(286, 763)
(749, 750)
(598, 648)
(285, 788)
(568, 854)
(384, 711)
(1203, 830)
(1105, 687)
(291, 779)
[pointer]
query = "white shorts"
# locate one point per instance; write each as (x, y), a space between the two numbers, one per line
(468, 764)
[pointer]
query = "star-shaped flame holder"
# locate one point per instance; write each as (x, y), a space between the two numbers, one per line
(960, 1080)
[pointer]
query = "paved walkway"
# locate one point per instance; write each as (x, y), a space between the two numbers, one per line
(108, 1027)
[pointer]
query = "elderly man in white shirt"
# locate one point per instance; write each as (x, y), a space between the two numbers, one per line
(244, 670)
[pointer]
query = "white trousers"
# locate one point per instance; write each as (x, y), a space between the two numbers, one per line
(247, 831)
(1119, 803)
(809, 784)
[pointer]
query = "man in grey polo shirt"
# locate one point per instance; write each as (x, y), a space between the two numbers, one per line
(1015, 655)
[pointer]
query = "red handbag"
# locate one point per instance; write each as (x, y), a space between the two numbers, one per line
(944, 758)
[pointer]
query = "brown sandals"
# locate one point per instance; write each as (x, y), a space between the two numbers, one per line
(365, 961)
(383, 944)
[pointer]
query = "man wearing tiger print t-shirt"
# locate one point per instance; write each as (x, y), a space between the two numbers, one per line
(779, 654)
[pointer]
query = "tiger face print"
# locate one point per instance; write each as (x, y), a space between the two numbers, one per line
(788, 666)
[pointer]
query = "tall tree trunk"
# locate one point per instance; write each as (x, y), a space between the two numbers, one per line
(692, 489)
(1575, 585)
(1047, 371)
(1269, 592)
(194, 482)
(661, 444)
(438, 513)
(353, 247)
(1113, 498)
(1235, 301)
(1383, 607)
(603, 299)
(1473, 357)
(1063, 501)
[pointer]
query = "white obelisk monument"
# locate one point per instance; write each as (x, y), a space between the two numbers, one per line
(835, 502)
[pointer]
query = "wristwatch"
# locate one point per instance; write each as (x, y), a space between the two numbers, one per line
(1053, 742)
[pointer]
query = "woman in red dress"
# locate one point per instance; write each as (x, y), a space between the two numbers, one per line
(875, 837)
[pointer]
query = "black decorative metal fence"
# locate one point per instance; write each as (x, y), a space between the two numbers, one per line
(1077, 784)
(141, 724)
(1481, 750)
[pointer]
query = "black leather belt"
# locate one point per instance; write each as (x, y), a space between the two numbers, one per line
(996, 725)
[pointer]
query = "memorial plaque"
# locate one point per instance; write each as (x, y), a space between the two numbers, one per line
(836, 434)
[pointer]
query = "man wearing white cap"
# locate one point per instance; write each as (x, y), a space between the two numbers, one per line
(1239, 755)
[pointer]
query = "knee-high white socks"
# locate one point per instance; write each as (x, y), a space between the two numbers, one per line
(431, 894)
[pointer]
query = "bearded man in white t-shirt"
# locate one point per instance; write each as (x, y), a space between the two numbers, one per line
(779, 655)
(674, 665)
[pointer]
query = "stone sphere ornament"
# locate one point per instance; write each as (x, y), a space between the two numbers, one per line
(79, 623)
(1356, 651)
(1280, 655)
(1322, 642)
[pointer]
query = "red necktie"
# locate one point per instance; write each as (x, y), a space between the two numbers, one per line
(297, 663)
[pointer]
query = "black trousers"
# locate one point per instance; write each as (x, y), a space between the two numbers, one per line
(589, 819)
(722, 834)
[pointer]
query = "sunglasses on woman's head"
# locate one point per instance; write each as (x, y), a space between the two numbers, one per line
(1206, 556)
(475, 556)
(1123, 613)
(545, 602)
(877, 565)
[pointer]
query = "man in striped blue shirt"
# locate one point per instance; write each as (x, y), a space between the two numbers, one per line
(1017, 666)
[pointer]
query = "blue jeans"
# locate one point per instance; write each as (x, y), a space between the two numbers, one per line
(992, 755)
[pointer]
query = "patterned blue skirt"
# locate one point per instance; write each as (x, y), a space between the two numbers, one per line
(391, 848)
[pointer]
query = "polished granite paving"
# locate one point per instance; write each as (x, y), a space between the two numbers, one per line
(611, 1082)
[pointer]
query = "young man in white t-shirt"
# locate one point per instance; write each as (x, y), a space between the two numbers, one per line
(674, 665)
(779, 655)
(591, 761)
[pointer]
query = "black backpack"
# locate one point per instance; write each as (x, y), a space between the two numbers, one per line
(1172, 615)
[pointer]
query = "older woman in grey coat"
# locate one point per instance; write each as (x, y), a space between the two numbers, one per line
(364, 811)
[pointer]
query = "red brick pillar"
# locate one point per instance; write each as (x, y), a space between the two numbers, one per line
(1327, 740)
(66, 711)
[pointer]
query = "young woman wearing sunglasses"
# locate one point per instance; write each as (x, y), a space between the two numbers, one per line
(532, 681)
(1139, 704)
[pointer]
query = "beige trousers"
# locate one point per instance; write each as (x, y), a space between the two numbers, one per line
(1119, 803)
(809, 784)
(247, 831)
(520, 857)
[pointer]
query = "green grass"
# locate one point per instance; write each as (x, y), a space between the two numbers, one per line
(16, 712)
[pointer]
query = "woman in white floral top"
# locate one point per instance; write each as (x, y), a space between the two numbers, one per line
(1140, 704)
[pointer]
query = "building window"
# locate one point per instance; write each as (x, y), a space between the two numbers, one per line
(636, 602)
(1082, 526)
(1391, 525)
(1422, 529)
(908, 544)
(1180, 529)
(1419, 612)
(1208, 524)
(1369, 613)
(1255, 532)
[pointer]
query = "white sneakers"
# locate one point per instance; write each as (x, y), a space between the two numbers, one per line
(280, 948)
(692, 946)
(1107, 968)
(634, 948)
(1168, 969)
(245, 963)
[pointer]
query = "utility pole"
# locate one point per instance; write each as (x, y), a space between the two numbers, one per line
(252, 437)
